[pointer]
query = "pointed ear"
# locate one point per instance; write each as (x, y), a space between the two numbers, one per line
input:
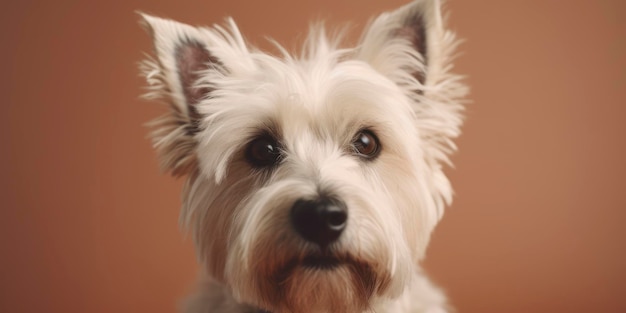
(413, 49)
(406, 41)
(182, 59)
(182, 56)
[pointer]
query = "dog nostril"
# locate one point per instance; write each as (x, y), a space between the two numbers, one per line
(336, 217)
(319, 221)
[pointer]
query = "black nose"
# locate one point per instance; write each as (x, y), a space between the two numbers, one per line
(319, 221)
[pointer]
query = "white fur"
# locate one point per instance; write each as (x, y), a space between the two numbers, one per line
(316, 101)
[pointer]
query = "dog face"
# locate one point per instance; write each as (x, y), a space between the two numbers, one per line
(314, 181)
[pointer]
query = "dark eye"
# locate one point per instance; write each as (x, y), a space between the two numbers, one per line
(366, 144)
(263, 152)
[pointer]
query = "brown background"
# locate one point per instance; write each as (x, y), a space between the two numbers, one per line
(87, 223)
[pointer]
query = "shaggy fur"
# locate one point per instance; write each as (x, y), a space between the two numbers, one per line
(223, 94)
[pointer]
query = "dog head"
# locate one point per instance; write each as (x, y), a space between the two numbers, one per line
(314, 179)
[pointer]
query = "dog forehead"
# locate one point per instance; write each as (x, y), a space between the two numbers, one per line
(326, 95)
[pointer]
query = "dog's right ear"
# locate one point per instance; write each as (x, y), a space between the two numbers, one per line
(179, 76)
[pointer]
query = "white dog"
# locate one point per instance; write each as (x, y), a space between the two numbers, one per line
(314, 180)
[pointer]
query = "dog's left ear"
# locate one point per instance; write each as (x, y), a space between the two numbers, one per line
(408, 40)
(412, 48)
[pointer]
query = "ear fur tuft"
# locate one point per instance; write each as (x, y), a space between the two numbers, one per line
(181, 56)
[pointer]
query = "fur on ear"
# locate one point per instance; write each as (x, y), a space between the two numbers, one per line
(412, 48)
(408, 40)
(186, 58)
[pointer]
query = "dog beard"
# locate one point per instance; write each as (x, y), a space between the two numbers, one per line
(335, 285)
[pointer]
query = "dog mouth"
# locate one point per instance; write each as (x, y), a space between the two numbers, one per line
(318, 271)
(313, 261)
(321, 262)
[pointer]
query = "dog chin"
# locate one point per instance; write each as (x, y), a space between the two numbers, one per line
(322, 283)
